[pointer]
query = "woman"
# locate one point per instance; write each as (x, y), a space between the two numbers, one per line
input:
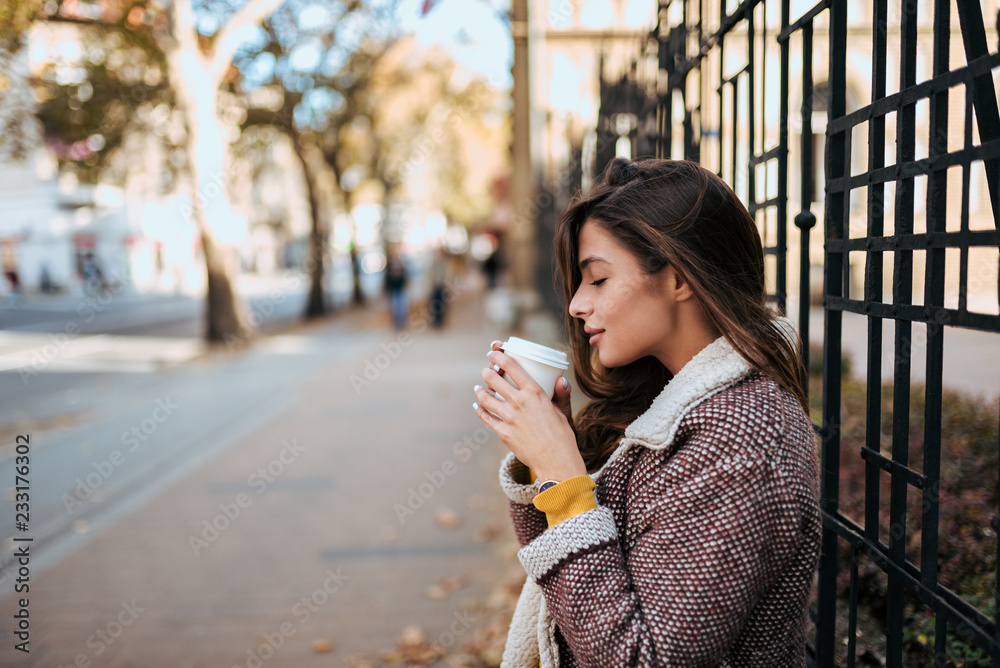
(675, 522)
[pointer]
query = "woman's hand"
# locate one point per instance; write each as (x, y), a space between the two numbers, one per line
(535, 428)
(561, 399)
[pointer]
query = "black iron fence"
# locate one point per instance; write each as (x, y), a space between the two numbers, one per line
(899, 165)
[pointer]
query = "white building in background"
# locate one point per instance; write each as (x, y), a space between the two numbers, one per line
(30, 222)
(48, 230)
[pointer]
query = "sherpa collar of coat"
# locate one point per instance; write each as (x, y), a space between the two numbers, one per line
(712, 370)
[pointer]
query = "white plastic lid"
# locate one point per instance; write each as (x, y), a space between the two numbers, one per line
(536, 352)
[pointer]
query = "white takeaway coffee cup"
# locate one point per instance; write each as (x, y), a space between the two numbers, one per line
(544, 364)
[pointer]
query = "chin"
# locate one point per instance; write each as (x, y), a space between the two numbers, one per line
(608, 360)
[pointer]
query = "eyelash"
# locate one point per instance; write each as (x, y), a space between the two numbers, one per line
(598, 281)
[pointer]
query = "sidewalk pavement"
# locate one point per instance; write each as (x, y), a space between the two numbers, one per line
(371, 505)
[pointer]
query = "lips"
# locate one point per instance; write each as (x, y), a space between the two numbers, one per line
(595, 334)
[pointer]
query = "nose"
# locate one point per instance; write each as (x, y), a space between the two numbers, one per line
(579, 307)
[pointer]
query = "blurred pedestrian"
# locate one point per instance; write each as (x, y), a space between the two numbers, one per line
(440, 275)
(45, 282)
(14, 280)
(396, 279)
(493, 265)
(676, 521)
(93, 276)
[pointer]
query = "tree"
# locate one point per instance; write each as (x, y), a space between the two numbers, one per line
(195, 65)
(18, 130)
(310, 59)
(427, 117)
(114, 84)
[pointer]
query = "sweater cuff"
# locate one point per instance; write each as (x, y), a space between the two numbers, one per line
(514, 477)
(579, 534)
(567, 499)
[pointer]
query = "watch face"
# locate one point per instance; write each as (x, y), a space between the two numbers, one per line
(547, 485)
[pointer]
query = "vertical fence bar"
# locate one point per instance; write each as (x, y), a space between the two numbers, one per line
(874, 271)
(735, 86)
(782, 190)
(852, 612)
(970, 19)
(669, 65)
(751, 199)
(902, 294)
(937, 197)
(722, 87)
(805, 220)
(937, 212)
(689, 143)
(833, 290)
(963, 274)
(662, 93)
(700, 134)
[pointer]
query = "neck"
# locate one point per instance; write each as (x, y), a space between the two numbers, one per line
(697, 333)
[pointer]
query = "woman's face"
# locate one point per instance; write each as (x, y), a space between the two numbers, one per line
(628, 313)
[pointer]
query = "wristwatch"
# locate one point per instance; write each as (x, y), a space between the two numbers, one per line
(548, 484)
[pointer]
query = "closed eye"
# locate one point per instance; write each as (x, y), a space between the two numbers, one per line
(599, 281)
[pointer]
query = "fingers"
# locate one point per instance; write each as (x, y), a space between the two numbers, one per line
(513, 370)
(496, 382)
(561, 398)
(487, 401)
(491, 421)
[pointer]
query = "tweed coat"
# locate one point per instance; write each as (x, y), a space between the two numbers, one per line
(704, 542)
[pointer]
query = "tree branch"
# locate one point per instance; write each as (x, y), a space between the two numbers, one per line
(184, 26)
(232, 35)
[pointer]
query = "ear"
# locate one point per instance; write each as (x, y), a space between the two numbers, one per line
(678, 285)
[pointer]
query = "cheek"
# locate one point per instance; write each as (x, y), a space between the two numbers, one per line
(616, 306)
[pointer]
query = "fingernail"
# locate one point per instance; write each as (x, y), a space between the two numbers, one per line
(475, 406)
(488, 354)
(493, 343)
(476, 388)
(565, 383)
(496, 367)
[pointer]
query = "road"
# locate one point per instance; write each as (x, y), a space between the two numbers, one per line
(100, 376)
(64, 353)
(274, 302)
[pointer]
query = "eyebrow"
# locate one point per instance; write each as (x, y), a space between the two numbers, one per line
(592, 258)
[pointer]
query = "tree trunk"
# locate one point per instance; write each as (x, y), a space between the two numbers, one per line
(316, 301)
(316, 262)
(330, 157)
(222, 316)
(359, 297)
(222, 320)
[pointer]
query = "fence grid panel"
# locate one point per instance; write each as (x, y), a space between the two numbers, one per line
(771, 103)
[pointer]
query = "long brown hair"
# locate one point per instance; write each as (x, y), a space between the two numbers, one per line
(678, 213)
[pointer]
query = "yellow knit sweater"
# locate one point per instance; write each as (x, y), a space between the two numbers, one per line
(570, 497)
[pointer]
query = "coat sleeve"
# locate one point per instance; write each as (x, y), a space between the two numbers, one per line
(709, 548)
(529, 522)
